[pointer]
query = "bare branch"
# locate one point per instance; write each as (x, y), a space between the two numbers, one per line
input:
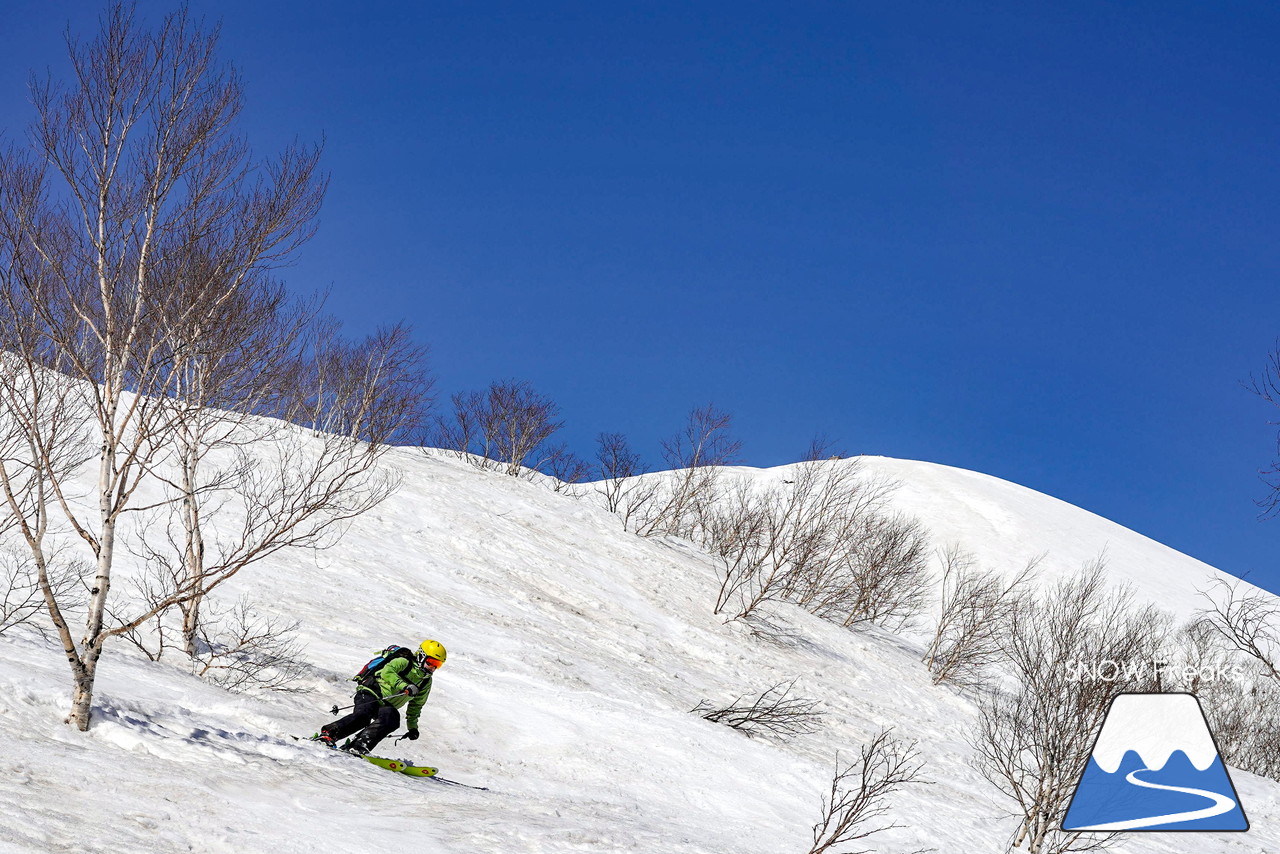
(696, 455)
(241, 650)
(773, 712)
(505, 429)
(137, 243)
(857, 804)
(1032, 742)
(1246, 620)
(968, 639)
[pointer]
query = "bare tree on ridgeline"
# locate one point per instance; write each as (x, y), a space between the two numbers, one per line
(695, 455)
(504, 428)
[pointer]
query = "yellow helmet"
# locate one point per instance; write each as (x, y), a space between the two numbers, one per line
(432, 649)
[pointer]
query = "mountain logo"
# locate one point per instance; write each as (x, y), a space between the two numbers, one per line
(1155, 766)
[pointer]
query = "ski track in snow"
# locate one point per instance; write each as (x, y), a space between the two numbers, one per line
(576, 652)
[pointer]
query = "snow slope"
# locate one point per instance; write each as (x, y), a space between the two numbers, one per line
(1007, 525)
(576, 651)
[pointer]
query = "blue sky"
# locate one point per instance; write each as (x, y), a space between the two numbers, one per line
(1037, 240)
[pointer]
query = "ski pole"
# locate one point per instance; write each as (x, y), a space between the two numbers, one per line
(336, 709)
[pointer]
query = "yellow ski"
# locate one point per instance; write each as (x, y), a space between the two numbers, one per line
(403, 766)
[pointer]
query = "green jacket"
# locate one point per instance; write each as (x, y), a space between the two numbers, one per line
(394, 677)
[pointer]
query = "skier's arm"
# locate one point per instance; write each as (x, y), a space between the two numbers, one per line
(389, 677)
(416, 702)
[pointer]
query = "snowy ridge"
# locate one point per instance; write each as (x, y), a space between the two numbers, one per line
(1176, 724)
(1005, 524)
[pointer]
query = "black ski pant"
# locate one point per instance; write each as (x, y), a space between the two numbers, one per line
(375, 718)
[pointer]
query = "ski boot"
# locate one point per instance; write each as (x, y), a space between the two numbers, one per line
(325, 739)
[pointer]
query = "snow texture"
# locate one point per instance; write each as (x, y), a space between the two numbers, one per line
(576, 652)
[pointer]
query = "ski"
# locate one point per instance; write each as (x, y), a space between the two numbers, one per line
(402, 765)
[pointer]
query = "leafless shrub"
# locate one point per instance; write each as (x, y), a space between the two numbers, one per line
(821, 541)
(242, 649)
(1239, 696)
(695, 456)
(1229, 654)
(738, 533)
(21, 595)
(967, 640)
(858, 802)
(505, 429)
(883, 577)
(1032, 742)
(705, 441)
(1267, 386)
(459, 430)
(783, 541)
(823, 447)
(772, 628)
(1245, 718)
(375, 390)
(619, 481)
(567, 470)
(1199, 657)
(43, 433)
(774, 712)
(1246, 620)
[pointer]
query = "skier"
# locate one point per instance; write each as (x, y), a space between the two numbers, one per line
(376, 714)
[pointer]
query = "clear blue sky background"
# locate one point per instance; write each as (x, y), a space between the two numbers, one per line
(1037, 240)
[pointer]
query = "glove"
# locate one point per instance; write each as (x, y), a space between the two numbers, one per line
(412, 734)
(410, 690)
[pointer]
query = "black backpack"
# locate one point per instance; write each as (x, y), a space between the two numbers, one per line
(369, 673)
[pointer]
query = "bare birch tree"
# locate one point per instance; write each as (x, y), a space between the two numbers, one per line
(695, 456)
(1033, 741)
(124, 152)
(504, 428)
(136, 227)
(271, 487)
(973, 609)
(857, 805)
(619, 470)
(228, 346)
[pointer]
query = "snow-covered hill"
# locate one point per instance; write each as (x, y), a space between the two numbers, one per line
(576, 652)
(1006, 525)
